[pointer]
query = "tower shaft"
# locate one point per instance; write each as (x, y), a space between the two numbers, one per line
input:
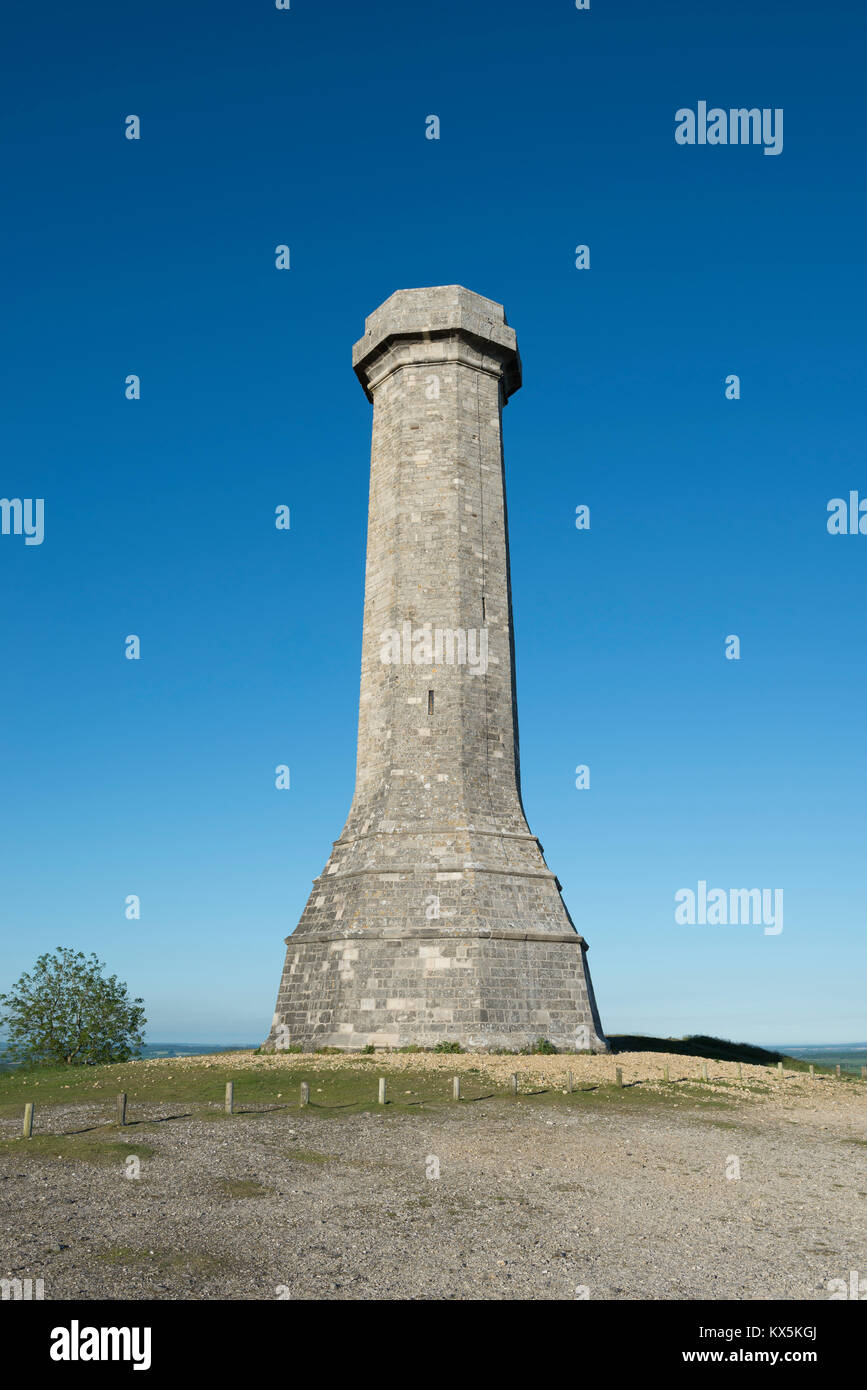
(436, 917)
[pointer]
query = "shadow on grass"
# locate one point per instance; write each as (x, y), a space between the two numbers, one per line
(130, 1124)
(340, 1105)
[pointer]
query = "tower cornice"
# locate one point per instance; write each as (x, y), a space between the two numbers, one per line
(440, 324)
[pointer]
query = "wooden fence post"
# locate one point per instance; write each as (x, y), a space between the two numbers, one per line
(305, 1093)
(780, 1069)
(456, 1088)
(838, 1068)
(569, 1083)
(740, 1071)
(27, 1131)
(618, 1076)
(665, 1072)
(704, 1071)
(514, 1083)
(382, 1090)
(230, 1097)
(121, 1108)
(812, 1072)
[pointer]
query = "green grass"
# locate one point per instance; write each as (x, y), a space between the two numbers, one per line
(341, 1093)
(200, 1093)
(75, 1148)
(200, 1088)
(153, 1083)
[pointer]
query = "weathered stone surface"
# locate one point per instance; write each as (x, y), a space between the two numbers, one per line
(436, 917)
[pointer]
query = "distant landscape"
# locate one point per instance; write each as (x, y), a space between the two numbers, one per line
(165, 1049)
(171, 1050)
(851, 1056)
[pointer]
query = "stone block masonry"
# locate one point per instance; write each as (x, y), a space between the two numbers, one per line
(436, 917)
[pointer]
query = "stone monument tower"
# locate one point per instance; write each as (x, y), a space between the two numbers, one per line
(436, 917)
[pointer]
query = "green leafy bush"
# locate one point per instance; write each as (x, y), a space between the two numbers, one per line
(67, 1012)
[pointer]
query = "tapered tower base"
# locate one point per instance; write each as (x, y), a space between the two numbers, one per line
(502, 991)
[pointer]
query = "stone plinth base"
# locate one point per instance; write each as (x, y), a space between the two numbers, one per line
(391, 990)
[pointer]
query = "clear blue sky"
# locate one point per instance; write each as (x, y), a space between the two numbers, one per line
(708, 516)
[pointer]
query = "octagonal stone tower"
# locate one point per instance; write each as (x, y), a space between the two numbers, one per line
(436, 917)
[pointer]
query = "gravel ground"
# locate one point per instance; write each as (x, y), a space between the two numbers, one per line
(536, 1198)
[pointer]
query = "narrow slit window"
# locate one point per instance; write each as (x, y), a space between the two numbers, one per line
(484, 613)
(430, 702)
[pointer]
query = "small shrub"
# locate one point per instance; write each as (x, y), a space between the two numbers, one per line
(448, 1047)
(67, 1012)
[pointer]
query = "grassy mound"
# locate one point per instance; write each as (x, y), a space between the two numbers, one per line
(700, 1045)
